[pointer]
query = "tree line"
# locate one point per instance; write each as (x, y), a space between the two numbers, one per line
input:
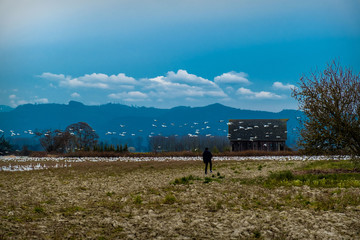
(76, 137)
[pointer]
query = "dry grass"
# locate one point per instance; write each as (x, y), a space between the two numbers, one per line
(172, 200)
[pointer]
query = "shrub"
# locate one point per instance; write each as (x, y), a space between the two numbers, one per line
(169, 199)
(138, 199)
(39, 209)
(281, 176)
(185, 180)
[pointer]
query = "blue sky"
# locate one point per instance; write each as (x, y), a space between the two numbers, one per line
(245, 53)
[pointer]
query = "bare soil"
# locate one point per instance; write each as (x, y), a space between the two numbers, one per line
(138, 200)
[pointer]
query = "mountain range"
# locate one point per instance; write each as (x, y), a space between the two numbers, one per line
(120, 122)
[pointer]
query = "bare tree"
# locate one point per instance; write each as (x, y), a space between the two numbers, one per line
(331, 102)
(54, 141)
(5, 146)
(83, 136)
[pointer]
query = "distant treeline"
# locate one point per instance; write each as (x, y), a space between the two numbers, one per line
(189, 143)
(109, 148)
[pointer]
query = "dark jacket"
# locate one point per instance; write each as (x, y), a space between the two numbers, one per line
(207, 156)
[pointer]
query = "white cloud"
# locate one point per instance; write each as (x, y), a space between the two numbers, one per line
(267, 95)
(54, 77)
(76, 83)
(257, 95)
(233, 78)
(12, 96)
(15, 103)
(129, 96)
(100, 77)
(41, 100)
(94, 80)
(75, 95)
(182, 76)
(281, 86)
(181, 84)
(244, 91)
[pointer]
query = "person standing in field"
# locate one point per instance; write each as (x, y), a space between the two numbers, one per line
(207, 156)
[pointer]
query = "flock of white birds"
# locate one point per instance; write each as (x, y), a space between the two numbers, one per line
(21, 163)
(196, 127)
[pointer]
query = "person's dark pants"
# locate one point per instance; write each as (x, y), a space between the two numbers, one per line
(206, 165)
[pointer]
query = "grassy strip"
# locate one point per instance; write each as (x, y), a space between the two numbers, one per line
(190, 179)
(328, 174)
(287, 178)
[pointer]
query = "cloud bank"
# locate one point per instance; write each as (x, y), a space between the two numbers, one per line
(16, 101)
(179, 87)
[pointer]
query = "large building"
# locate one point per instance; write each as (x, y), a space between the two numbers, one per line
(257, 134)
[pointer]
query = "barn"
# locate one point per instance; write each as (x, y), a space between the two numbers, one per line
(257, 134)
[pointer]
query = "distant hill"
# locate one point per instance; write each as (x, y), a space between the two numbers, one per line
(4, 108)
(117, 122)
